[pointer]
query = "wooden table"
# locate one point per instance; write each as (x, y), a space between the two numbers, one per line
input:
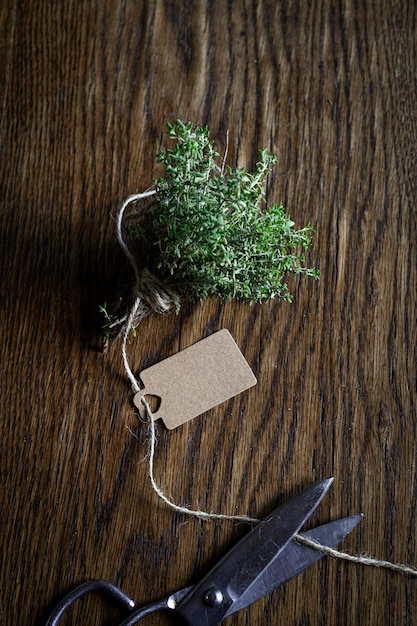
(86, 90)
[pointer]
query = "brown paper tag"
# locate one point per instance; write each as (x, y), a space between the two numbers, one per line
(196, 379)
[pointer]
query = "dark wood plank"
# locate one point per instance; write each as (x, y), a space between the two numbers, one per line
(86, 91)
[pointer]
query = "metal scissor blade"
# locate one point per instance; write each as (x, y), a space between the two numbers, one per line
(215, 595)
(295, 559)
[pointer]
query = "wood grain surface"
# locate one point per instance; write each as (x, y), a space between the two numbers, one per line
(86, 90)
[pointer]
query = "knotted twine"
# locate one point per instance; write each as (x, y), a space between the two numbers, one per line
(152, 295)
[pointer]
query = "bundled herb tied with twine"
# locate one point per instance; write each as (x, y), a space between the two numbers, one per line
(207, 231)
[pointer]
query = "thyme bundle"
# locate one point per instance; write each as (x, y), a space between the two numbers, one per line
(208, 231)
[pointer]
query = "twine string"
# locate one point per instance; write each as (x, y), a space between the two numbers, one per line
(163, 306)
(119, 226)
(135, 267)
(180, 509)
(362, 560)
(332, 552)
(129, 325)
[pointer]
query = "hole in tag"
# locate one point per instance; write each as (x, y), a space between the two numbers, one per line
(153, 401)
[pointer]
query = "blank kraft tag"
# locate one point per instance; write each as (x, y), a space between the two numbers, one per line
(196, 379)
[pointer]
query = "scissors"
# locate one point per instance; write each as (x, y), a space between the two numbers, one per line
(265, 558)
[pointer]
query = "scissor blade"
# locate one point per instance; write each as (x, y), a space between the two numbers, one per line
(215, 595)
(295, 559)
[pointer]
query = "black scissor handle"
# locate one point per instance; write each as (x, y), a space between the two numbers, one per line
(102, 586)
(114, 594)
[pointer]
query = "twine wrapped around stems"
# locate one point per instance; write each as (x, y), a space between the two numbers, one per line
(148, 295)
